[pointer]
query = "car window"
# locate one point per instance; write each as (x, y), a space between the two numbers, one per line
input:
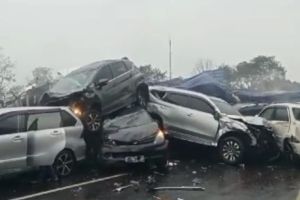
(67, 119)
(176, 99)
(43, 121)
(200, 105)
(281, 114)
(296, 112)
(118, 69)
(267, 114)
(104, 73)
(11, 124)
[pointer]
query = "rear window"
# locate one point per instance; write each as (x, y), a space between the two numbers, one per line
(225, 107)
(296, 112)
(67, 119)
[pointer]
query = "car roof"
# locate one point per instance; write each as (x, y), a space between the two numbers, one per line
(36, 108)
(183, 91)
(95, 65)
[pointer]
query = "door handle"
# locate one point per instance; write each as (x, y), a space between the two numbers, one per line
(17, 138)
(190, 114)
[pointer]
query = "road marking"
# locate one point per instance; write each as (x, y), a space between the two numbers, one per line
(69, 187)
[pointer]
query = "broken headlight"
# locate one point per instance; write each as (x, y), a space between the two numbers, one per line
(160, 137)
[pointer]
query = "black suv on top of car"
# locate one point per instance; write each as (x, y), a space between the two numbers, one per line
(97, 89)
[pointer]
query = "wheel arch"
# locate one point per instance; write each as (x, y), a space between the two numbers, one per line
(246, 139)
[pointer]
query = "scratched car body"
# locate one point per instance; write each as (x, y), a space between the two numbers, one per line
(40, 136)
(97, 90)
(134, 137)
(195, 117)
(285, 121)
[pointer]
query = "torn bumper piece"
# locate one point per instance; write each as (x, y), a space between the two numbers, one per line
(134, 153)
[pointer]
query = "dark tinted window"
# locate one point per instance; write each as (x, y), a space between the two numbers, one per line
(268, 114)
(118, 69)
(200, 105)
(296, 112)
(11, 124)
(44, 121)
(67, 119)
(281, 114)
(104, 73)
(176, 99)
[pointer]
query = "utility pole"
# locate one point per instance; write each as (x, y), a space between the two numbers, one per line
(170, 59)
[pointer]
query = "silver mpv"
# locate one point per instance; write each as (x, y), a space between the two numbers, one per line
(197, 118)
(40, 136)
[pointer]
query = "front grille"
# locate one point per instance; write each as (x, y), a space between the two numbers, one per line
(146, 140)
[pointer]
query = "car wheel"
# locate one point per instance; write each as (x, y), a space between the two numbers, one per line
(64, 163)
(141, 97)
(231, 150)
(289, 152)
(93, 121)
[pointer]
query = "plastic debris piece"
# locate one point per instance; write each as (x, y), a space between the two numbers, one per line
(196, 181)
(194, 172)
(183, 188)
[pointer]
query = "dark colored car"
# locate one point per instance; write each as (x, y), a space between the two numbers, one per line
(134, 137)
(96, 90)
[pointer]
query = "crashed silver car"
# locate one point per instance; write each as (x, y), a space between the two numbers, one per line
(195, 117)
(40, 136)
(134, 137)
(285, 121)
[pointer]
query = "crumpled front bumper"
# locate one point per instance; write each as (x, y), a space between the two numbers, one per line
(149, 151)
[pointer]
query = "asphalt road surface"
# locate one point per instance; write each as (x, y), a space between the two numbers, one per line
(190, 165)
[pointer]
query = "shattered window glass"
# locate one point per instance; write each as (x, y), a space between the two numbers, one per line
(132, 119)
(104, 73)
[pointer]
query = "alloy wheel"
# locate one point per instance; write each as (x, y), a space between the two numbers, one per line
(64, 163)
(231, 151)
(93, 121)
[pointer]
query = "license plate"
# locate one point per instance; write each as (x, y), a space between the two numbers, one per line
(135, 159)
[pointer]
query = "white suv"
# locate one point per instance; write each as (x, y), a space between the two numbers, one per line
(40, 136)
(285, 121)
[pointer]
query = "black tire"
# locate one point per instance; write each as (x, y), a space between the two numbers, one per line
(289, 153)
(231, 150)
(64, 163)
(93, 120)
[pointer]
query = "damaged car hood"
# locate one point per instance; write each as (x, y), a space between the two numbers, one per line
(136, 125)
(257, 121)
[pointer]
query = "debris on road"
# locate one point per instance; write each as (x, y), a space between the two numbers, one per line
(133, 184)
(155, 197)
(183, 188)
(196, 181)
(194, 172)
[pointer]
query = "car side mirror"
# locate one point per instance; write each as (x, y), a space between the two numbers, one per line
(217, 115)
(101, 83)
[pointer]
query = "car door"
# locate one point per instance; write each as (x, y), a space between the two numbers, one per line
(201, 119)
(105, 93)
(121, 88)
(46, 138)
(13, 141)
(279, 118)
(175, 115)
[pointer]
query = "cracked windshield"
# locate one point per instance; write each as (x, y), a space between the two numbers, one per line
(149, 100)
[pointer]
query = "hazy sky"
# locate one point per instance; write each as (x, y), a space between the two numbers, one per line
(64, 34)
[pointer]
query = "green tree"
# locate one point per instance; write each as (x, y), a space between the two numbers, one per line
(7, 76)
(250, 74)
(152, 73)
(41, 76)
